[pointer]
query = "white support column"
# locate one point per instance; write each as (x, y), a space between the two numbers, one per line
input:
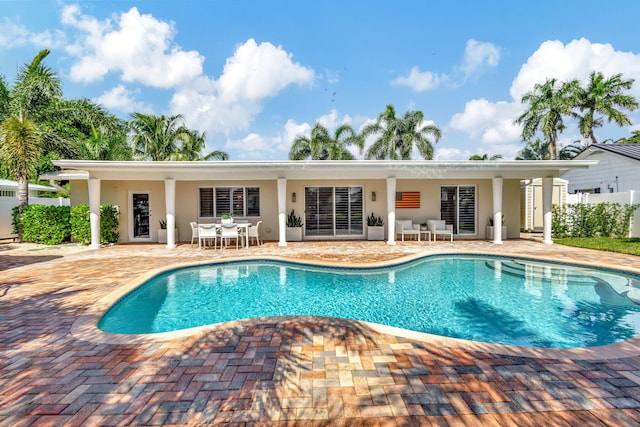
(547, 200)
(282, 214)
(94, 211)
(391, 210)
(497, 210)
(170, 207)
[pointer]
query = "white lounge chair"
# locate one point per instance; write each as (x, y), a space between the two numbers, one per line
(406, 227)
(440, 227)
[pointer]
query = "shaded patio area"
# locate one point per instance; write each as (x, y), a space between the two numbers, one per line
(298, 371)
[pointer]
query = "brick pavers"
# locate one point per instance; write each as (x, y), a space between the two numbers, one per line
(279, 371)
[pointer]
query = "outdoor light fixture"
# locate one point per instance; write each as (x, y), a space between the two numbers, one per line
(373, 196)
(293, 197)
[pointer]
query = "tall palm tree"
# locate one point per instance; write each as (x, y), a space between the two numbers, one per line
(156, 138)
(548, 104)
(604, 97)
(539, 150)
(398, 136)
(321, 145)
(633, 139)
(22, 109)
(485, 156)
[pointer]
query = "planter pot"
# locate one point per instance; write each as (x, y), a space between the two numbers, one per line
(294, 234)
(226, 220)
(162, 235)
(375, 232)
(490, 232)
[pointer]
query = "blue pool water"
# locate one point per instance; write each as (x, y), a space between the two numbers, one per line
(498, 300)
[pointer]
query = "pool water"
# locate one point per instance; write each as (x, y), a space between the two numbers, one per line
(490, 299)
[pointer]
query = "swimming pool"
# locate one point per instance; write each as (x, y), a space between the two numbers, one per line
(490, 299)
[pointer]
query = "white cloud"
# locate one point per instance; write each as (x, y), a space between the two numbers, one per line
(122, 99)
(231, 103)
(16, 35)
(479, 55)
(258, 71)
(451, 154)
(138, 46)
(491, 123)
(420, 81)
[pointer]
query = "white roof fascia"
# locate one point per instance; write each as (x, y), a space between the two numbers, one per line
(319, 169)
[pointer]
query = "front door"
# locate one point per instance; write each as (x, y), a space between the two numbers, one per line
(140, 216)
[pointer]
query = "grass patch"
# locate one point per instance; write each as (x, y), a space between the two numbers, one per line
(623, 246)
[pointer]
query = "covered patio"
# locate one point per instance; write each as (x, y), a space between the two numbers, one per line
(334, 197)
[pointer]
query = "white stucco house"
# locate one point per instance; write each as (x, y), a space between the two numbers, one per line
(617, 171)
(333, 197)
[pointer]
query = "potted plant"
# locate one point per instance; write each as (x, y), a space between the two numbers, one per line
(162, 232)
(226, 218)
(490, 232)
(375, 227)
(294, 227)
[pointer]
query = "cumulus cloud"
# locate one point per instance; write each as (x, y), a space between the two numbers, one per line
(478, 56)
(122, 99)
(137, 46)
(253, 73)
(420, 81)
(15, 35)
(491, 123)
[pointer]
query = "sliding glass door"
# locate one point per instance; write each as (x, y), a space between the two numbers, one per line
(458, 207)
(333, 211)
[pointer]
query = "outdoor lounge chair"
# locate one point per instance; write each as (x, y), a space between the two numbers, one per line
(406, 227)
(440, 227)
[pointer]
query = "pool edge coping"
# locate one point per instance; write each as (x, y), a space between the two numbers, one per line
(86, 326)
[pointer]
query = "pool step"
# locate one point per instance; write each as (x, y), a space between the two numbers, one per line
(538, 272)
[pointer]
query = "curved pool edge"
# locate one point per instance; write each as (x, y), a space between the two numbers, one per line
(86, 326)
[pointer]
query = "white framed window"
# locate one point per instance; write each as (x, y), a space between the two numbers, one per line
(458, 206)
(213, 202)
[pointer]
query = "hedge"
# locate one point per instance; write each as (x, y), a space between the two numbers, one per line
(52, 225)
(592, 220)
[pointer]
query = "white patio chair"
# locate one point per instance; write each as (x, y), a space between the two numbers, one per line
(194, 231)
(406, 227)
(254, 232)
(440, 227)
(229, 231)
(207, 232)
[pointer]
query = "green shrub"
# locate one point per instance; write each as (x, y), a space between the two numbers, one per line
(81, 224)
(45, 224)
(586, 220)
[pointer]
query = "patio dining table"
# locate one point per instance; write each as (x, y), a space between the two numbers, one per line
(243, 230)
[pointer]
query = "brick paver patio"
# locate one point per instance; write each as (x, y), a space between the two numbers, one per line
(298, 371)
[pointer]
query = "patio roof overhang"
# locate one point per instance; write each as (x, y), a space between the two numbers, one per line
(318, 169)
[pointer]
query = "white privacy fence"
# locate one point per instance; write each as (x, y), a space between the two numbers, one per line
(8, 203)
(624, 198)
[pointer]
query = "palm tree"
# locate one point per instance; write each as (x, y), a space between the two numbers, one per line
(539, 150)
(193, 144)
(156, 138)
(604, 97)
(397, 136)
(548, 103)
(22, 109)
(322, 146)
(485, 157)
(633, 139)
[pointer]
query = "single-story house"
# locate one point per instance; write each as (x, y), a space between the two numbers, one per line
(617, 170)
(332, 197)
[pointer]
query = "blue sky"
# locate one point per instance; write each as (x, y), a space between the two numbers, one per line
(255, 74)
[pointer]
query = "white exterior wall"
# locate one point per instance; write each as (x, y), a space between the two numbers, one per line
(613, 173)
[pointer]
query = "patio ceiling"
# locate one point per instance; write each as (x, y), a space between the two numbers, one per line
(323, 169)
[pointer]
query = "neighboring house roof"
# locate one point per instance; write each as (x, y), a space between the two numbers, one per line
(7, 183)
(318, 169)
(631, 151)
